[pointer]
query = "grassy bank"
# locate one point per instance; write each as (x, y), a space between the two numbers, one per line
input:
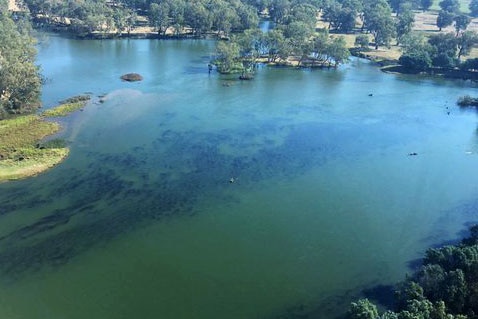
(22, 152)
(68, 106)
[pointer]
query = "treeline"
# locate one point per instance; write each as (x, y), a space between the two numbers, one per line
(443, 50)
(445, 287)
(200, 16)
(20, 82)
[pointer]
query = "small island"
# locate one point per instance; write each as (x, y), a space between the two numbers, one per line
(23, 152)
(131, 77)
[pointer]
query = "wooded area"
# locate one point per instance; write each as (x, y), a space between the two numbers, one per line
(305, 33)
(444, 287)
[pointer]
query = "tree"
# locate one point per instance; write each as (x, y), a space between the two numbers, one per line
(340, 17)
(159, 16)
(450, 5)
(461, 22)
(362, 41)
(276, 43)
(279, 10)
(426, 4)
(362, 309)
(19, 76)
(465, 43)
(227, 53)
(378, 20)
(444, 19)
(337, 51)
(473, 6)
(406, 18)
(198, 17)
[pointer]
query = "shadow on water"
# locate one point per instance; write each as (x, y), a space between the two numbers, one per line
(116, 193)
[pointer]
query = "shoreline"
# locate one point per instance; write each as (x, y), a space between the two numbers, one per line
(24, 152)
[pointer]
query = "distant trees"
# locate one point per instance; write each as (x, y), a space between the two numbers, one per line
(19, 76)
(426, 4)
(473, 6)
(406, 18)
(450, 5)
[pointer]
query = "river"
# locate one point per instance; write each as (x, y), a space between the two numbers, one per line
(142, 221)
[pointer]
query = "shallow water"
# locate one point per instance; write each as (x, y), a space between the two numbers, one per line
(141, 220)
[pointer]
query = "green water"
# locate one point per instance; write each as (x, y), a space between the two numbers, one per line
(142, 222)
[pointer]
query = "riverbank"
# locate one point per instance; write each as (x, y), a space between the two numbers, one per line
(22, 152)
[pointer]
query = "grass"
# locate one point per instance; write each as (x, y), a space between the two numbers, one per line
(22, 154)
(68, 106)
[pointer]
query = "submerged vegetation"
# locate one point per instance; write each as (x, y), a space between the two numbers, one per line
(444, 287)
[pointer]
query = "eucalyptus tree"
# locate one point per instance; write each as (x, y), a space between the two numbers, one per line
(465, 42)
(378, 20)
(19, 76)
(198, 17)
(227, 55)
(461, 22)
(450, 5)
(473, 6)
(340, 16)
(276, 44)
(444, 19)
(426, 4)
(279, 10)
(159, 16)
(405, 21)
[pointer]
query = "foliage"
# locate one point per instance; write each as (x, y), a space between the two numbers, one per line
(363, 309)
(416, 61)
(473, 6)
(19, 76)
(426, 4)
(461, 22)
(378, 20)
(465, 42)
(362, 41)
(341, 15)
(445, 287)
(450, 5)
(406, 18)
(227, 56)
(445, 19)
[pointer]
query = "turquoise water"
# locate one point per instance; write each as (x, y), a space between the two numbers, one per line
(142, 222)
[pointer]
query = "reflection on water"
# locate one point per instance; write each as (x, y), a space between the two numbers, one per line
(142, 219)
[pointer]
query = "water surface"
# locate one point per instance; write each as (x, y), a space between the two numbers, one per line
(141, 220)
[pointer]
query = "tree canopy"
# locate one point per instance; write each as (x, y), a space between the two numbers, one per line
(444, 287)
(19, 76)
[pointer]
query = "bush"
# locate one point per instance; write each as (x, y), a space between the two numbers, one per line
(419, 61)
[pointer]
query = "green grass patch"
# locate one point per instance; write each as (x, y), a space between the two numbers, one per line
(68, 106)
(21, 153)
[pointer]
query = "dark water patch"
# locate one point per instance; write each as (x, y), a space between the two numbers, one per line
(196, 70)
(167, 178)
(332, 307)
(415, 264)
(381, 294)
